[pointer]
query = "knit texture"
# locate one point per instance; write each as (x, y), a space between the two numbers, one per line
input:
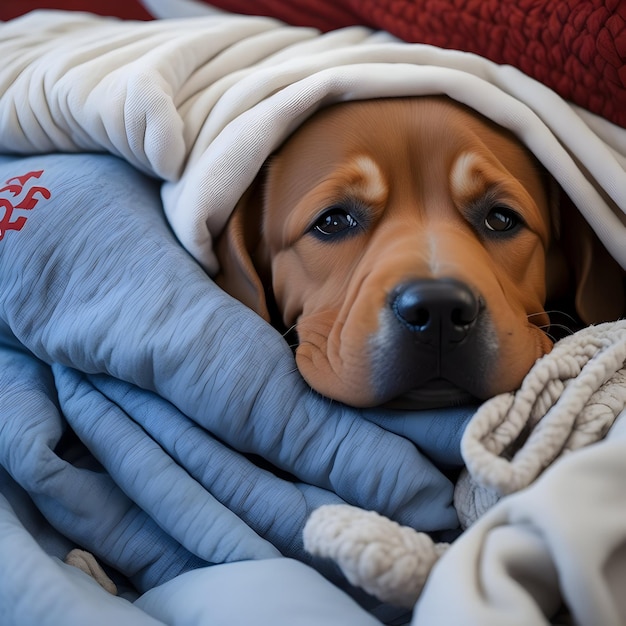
(569, 399)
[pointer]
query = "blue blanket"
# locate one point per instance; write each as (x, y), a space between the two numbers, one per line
(152, 420)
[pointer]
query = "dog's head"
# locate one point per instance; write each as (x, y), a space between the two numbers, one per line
(410, 244)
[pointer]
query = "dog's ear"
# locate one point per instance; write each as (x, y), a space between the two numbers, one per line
(244, 268)
(596, 278)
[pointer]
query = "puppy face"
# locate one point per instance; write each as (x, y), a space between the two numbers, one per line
(405, 241)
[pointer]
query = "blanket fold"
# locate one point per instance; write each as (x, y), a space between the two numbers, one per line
(94, 508)
(137, 403)
(558, 543)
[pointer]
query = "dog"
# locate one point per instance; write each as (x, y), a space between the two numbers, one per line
(411, 244)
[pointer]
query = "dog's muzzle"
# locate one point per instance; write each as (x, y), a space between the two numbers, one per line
(438, 329)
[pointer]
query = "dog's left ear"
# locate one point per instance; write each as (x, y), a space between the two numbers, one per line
(596, 278)
(244, 265)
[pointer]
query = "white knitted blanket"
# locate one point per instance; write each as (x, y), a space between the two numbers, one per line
(569, 399)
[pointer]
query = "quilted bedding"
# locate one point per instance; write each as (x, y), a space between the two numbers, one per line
(200, 104)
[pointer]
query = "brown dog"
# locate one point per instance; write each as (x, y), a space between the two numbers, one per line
(411, 244)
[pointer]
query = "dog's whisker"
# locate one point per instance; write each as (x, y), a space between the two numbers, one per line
(557, 312)
(565, 331)
(301, 343)
(291, 329)
(550, 336)
(550, 313)
(563, 327)
(290, 372)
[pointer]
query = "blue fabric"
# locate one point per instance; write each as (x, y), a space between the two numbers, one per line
(39, 590)
(136, 397)
(272, 592)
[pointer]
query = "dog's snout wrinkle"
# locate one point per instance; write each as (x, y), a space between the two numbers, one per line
(438, 311)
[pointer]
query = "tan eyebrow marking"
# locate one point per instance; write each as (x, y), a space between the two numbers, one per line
(367, 180)
(467, 178)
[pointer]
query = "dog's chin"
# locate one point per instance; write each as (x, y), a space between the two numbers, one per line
(433, 395)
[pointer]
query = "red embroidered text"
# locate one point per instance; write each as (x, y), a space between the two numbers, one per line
(20, 192)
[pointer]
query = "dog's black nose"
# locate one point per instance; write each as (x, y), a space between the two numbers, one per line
(437, 310)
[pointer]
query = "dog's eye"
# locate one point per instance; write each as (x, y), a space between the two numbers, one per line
(334, 222)
(501, 219)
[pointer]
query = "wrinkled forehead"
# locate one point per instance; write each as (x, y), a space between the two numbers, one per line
(418, 134)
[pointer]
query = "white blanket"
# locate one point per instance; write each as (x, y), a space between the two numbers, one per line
(202, 102)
